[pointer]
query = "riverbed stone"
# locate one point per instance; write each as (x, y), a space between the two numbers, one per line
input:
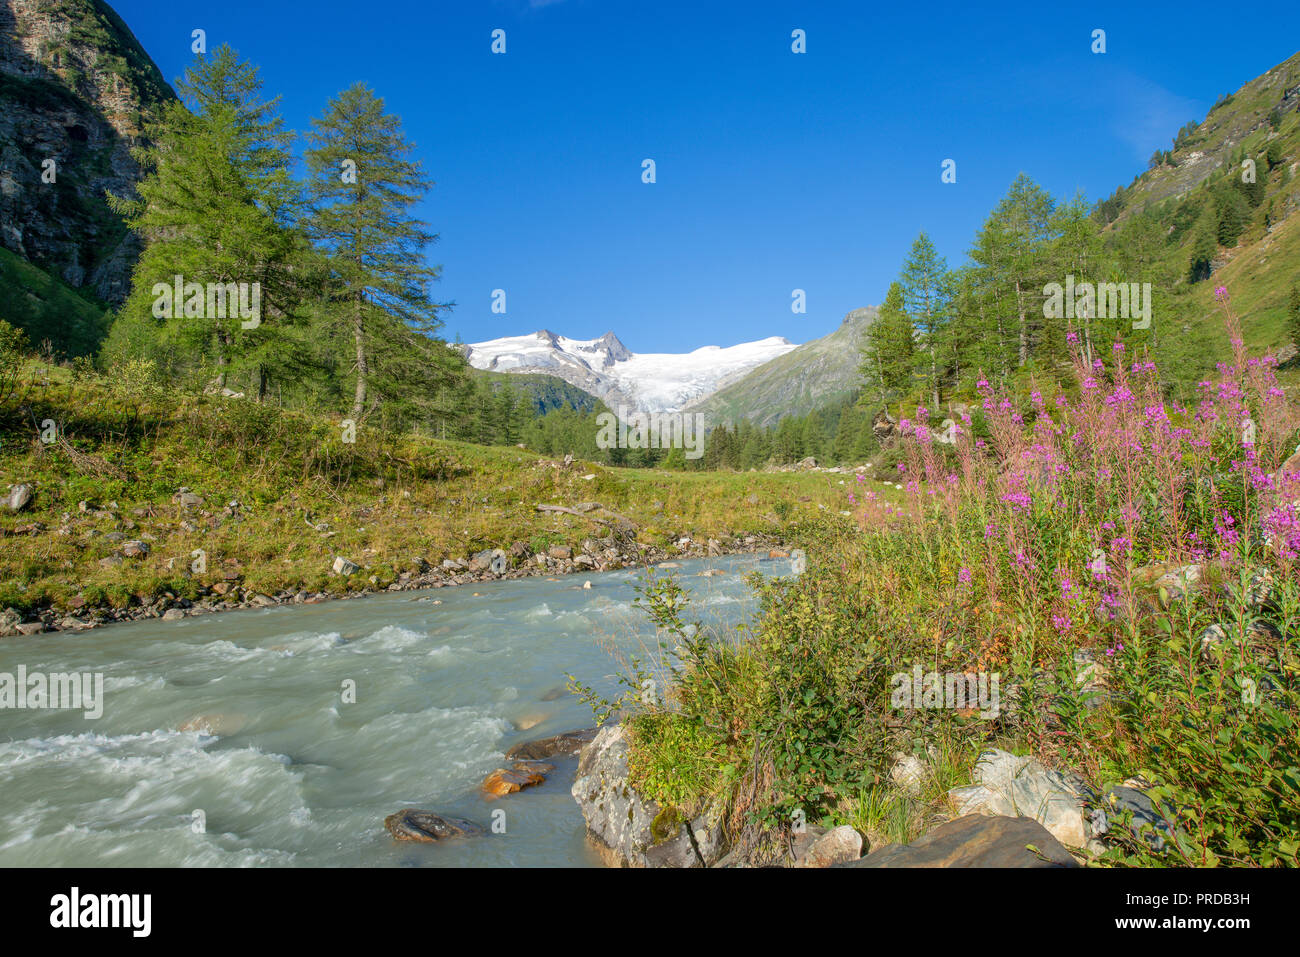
(1012, 785)
(345, 566)
(523, 774)
(566, 743)
(637, 831)
(413, 824)
(975, 840)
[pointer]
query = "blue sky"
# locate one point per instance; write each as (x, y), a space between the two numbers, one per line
(775, 170)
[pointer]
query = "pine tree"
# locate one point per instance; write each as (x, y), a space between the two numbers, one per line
(363, 188)
(215, 208)
(1205, 245)
(927, 295)
(889, 348)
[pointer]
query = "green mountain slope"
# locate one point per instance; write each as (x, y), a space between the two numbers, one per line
(45, 308)
(814, 375)
(545, 392)
(1254, 131)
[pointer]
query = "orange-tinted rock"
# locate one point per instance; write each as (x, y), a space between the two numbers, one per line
(521, 775)
(778, 553)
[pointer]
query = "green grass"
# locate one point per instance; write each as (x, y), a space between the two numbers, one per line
(388, 500)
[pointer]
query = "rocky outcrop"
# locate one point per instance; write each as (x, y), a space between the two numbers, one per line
(975, 841)
(75, 85)
(636, 831)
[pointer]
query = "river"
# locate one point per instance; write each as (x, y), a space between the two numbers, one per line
(226, 740)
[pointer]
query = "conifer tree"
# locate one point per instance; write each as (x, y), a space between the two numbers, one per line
(927, 294)
(889, 349)
(363, 188)
(216, 209)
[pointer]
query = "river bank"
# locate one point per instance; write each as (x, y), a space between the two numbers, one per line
(595, 555)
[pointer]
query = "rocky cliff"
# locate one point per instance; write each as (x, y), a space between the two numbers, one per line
(75, 88)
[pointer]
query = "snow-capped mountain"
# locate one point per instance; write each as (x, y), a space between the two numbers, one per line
(650, 381)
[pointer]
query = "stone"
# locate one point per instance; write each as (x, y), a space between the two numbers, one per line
(636, 831)
(838, 845)
(907, 773)
(560, 552)
(20, 496)
(490, 559)
(523, 774)
(777, 553)
(187, 499)
(9, 622)
(344, 566)
(975, 841)
(135, 549)
(1011, 785)
(30, 628)
(567, 743)
(216, 724)
(173, 614)
(1211, 638)
(412, 824)
(1145, 822)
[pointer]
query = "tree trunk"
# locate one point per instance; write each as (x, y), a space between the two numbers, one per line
(359, 401)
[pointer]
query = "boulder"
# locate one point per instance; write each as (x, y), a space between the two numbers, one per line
(412, 824)
(344, 566)
(975, 841)
(522, 774)
(135, 549)
(490, 559)
(560, 552)
(20, 496)
(908, 773)
(568, 743)
(836, 846)
(1010, 785)
(187, 499)
(1144, 821)
(637, 831)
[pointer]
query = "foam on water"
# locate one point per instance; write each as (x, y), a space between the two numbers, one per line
(288, 766)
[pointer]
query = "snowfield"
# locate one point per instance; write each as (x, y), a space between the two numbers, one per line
(651, 381)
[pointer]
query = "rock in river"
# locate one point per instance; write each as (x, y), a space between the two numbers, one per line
(412, 824)
(570, 742)
(522, 775)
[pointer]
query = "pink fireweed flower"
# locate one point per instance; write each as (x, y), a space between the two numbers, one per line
(1221, 293)
(964, 576)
